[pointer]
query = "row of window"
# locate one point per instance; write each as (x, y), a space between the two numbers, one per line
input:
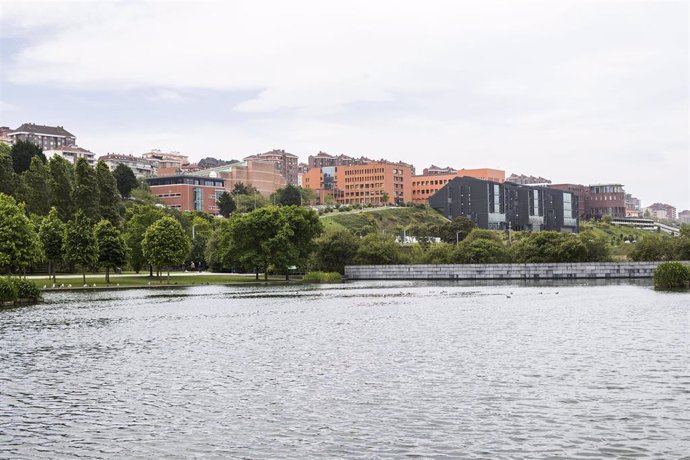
(169, 195)
(430, 182)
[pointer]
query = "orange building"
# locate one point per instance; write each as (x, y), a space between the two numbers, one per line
(188, 193)
(425, 186)
(362, 184)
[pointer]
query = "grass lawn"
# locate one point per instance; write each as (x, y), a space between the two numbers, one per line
(383, 219)
(145, 281)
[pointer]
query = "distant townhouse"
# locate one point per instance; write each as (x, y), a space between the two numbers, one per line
(663, 211)
(140, 166)
(527, 180)
(46, 137)
(4, 135)
(684, 217)
(72, 154)
(285, 162)
(260, 174)
(498, 206)
(166, 163)
(435, 170)
(633, 206)
(188, 193)
(323, 160)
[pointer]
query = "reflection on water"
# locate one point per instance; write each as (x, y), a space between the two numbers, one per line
(369, 369)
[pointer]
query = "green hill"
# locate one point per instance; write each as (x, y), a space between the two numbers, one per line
(388, 220)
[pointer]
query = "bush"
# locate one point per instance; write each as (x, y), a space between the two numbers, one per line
(671, 275)
(322, 277)
(8, 290)
(27, 290)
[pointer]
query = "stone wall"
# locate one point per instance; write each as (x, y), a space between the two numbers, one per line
(590, 270)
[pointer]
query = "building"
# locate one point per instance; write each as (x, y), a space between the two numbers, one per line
(434, 170)
(323, 159)
(166, 163)
(5, 135)
(424, 186)
(285, 162)
(140, 166)
(662, 211)
(260, 174)
(495, 205)
(605, 200)
(633, 206)
(188, 193)
(72, 154)
(527, 180)
(46, 137)
(684, 217)
(580, 191)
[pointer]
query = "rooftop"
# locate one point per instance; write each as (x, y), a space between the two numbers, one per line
(43, 129)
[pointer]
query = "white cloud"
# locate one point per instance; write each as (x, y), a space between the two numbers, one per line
(567, 90)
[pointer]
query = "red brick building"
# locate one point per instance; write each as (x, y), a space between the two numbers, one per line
(188, 193)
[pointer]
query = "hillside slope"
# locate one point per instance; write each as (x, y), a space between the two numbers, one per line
(388, 220)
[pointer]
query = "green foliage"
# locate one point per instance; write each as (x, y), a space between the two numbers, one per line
(548, 246)
(33, 189)
(19, 243)
(439, 253)
(288, 196)
(323, 277)
(671, 275)
(125, 179)
(27, 290)
(595, 246)
(85, 194)
(52, 234)
(202, 233)
(60, 184)
(384, 220)
(80, 245)
(139, 218)
(334, 250)
(482, 234)
(456, 230)
(165, 243)
(248, 203)
(653, 247)
(308, 196)
(9, 291)
(108, 194)
(481, 250)
(22, 152)
(241, 189)
(218, 250)
(112, 249)
(226, 204)
(379, 250)
(8, 178)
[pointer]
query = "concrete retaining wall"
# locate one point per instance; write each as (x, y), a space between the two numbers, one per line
(592, 270)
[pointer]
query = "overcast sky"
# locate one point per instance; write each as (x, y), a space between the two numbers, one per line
(584, 91)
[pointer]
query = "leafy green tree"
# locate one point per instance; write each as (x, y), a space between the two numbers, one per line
(200, 236)
(376, 249)
(125, 179)
(218, 252)
(22, 152)
(334, 250)
(596, 247)
(165, 244)
(304, 227)
(247, 203)
(308, 196)
(86, 191)
(19, 243)
(109, 196)
(138, 219)
(60, 184)
(549, 246)
(259, 238)
(481, 251)
(112, 249)
(52, 234)
(288, 196)
(456, 230)
(652, 248)
(241, 189)
(80, 245)
(439, 253)
(482, 234)
(33, 190)
(226, 205)
(385, 197)
(8, 179)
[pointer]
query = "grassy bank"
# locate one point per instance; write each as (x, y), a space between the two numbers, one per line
(388, 220)
(145, 281)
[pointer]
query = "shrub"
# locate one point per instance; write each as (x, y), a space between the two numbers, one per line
(8, 290)
(323, 277)
(27, 290)
(671, 275)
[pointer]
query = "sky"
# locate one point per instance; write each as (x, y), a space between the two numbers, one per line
(574, 91)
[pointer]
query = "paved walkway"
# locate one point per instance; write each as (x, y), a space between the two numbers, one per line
(142, 275)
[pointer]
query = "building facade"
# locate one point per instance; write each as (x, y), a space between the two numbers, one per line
(498, 206)
(605, 200)
(663, 211)
(140, 166)
(188, 193)
(426, 185)
(72, 154)
(46, 137)
(285, 162)
(527, 180)
(684, 217)
(261, 175)
(580, 191)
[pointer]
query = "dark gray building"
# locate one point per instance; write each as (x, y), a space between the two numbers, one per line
(494, 205)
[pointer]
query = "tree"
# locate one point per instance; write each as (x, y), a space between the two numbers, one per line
(596, 247)
(384, 198)
(139, 218)
(200, 236)
(481, 251)
(85, 193)
(19, 242)
(247, 203)
(165, 244)
(108, 195)
(549, 246)
(240, 189)
(218, 247)
(33, 190)
(456, 230)
(334, 250)
(376, 249)
(80, 246)
(308, 196)
(304, 227)
(112, 250)
(52, 234)
(652, 248)
(482, 234)
(288, 196)
(22, 152)
(60, 178)
(226, 205)
(8, 178)
(125, 179)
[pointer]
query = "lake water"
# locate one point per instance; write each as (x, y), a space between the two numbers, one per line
(362, 370)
